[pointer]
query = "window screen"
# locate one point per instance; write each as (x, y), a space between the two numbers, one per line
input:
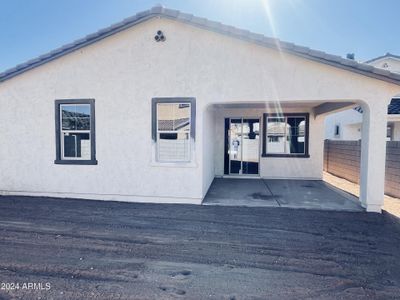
(173, 131)
(75, 131)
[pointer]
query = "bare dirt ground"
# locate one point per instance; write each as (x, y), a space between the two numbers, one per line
(109, 250)
(391, 204)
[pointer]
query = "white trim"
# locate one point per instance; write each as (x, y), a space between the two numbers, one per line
(62, 131)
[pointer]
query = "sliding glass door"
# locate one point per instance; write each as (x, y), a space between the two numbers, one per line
(243, 146)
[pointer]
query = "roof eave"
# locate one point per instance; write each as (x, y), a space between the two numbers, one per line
(388, 55)
(159, 11)
(64, 50)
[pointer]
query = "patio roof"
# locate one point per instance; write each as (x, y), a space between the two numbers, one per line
(159, 11)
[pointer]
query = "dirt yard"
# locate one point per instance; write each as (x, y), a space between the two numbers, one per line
(391, 204)
(77, 249)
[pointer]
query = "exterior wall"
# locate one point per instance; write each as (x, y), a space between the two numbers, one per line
(209, 139)
(123, 73)
(275, 167)
(396, 131)
(352, 132)
(349, 122)
(393, 64)
(342, 158)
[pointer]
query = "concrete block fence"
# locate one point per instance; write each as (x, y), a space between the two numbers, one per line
(342, 158)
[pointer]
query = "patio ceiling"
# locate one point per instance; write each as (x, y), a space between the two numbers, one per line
(319, 107)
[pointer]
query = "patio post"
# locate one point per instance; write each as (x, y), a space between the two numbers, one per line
(373, 156)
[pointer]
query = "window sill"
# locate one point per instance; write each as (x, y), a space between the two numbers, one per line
(174, 164)
(75, 162)
(286, 155)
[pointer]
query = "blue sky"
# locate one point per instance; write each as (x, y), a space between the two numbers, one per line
(368, 28)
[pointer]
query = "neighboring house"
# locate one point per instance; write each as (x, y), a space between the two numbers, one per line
(388, 62)
(346, 125)
(155, 107)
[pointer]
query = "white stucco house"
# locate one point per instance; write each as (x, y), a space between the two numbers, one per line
(388, 61)
(346, 125)
(155, 107)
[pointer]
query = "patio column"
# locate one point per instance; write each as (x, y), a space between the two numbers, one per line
(373, 156)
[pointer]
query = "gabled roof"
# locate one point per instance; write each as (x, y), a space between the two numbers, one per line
(159, 11)
(387, 55)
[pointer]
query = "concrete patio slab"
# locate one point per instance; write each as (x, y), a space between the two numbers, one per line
(239, 192)
(311, 194)
(306, 194)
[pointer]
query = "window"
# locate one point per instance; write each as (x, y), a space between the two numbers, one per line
(389, 130)
(285, 135)
(173, 128)
(337, 131)
(75, 132)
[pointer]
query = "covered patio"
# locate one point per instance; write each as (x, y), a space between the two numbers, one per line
(305, 194)
(270, 153)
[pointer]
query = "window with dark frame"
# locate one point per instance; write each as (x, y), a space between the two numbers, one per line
(173, 128)
(337, 130)
(286, 135)
(75, 132)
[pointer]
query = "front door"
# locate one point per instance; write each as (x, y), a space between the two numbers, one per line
(242, 146)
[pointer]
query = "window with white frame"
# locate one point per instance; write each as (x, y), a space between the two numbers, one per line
(285, 135)
(75, 132)
(174, 131)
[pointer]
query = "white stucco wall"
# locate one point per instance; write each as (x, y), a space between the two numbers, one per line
(349, 122)
(122, 73)
(352, 132)
(209, 142)
(396, 129)
(388, 63)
